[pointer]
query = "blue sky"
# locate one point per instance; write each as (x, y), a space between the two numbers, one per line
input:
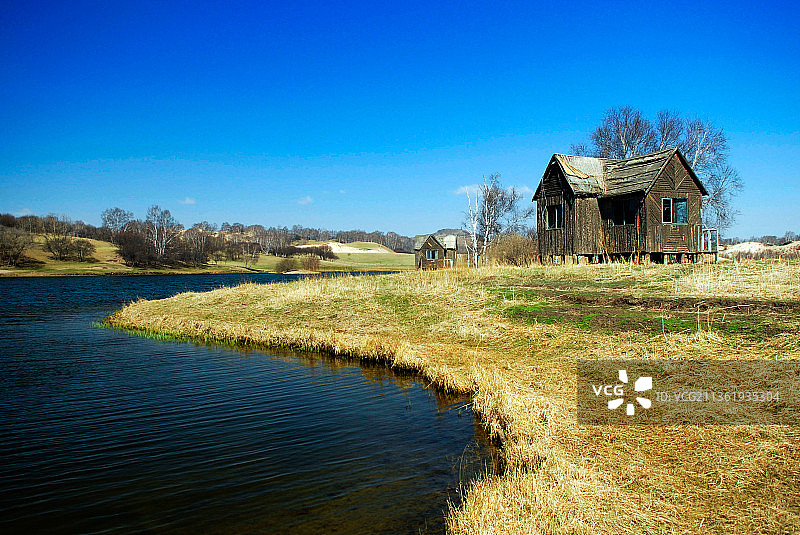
(371, 115)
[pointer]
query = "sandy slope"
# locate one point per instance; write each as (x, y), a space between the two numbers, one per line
(341, 248)
(756, 248)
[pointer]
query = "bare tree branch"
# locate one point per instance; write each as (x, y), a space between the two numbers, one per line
(722, 183)
(669, 129)
(704, 145)
(624, 133)
(580, 149)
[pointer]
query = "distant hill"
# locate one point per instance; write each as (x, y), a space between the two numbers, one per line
(456, 231)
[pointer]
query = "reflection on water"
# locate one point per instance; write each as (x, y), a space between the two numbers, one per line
(105, 432)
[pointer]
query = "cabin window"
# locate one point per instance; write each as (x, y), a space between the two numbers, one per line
(675, 211)
(624, 212)
(555, 216)
(432, 254)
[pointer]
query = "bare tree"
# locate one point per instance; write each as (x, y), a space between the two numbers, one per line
(250, 252)
(83, 250)
(580, 149)
(669, 129)
(472, 225)
(206, 226)
(13, 243)
(58, 236)
(722, 183)
(197, 244)
(624, 133)
(31, 223)
(704, 145)
(162, 230)
(393, 241)
(115, 219)
(495, 212)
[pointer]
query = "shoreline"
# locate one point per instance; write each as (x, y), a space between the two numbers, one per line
(457, 329)
(25, 275)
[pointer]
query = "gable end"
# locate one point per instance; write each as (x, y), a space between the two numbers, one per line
(553, 182)
(670, 168)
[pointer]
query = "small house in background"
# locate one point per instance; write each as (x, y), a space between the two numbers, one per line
(433, 251)
(642, 208)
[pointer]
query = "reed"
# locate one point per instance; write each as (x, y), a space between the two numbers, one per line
(452, 327)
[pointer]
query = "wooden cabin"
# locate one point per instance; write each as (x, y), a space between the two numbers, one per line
(433, 251)
(598, 209)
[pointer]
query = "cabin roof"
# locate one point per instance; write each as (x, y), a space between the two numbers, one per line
(447, 241)
(584, 174)
(634, 174)
(607, 177)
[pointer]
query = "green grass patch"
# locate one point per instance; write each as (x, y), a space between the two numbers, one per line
(674, 325)
(534, 313)
(585, 322)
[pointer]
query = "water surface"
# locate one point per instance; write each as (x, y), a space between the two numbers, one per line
(104, 432)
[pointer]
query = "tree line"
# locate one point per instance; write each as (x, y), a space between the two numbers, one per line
(160, 240)
(64, 239)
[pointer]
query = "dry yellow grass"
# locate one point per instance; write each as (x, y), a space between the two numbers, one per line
(560, 477)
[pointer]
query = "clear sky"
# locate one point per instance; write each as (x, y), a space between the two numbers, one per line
(372, 114)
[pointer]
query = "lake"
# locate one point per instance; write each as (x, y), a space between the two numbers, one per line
(105, 432)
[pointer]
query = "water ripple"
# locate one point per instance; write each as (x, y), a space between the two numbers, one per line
(102, 432)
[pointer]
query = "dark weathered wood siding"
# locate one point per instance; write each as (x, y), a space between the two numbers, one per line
(555, 191)
(586, 238)
(556, 241)
(673, 182)
(579, 235)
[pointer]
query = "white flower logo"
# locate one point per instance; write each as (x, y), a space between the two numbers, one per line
(642, 384)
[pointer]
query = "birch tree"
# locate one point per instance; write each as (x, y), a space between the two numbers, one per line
(494, 212)
(162, 230)
(115, 219)
(704, 145)
(669, 129)
(472, 225)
